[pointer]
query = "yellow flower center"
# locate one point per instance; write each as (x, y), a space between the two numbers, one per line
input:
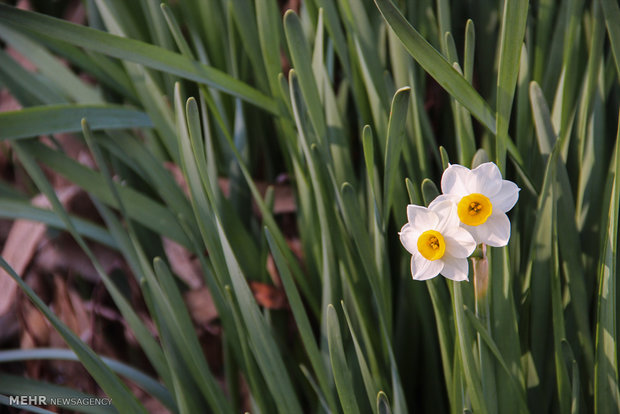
(431, 245)
(474, 209)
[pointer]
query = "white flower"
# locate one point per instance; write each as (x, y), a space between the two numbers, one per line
(482, 199)
(436, 241)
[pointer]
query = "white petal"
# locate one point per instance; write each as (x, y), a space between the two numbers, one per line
(443, 197)
(454, 180)
(448, 216)
(459, 243)
(486, 179)
(409, 238)
(494, 232)
(422, 269)
(474, 231)
(421, 218)
(507, 197)
(455, 269)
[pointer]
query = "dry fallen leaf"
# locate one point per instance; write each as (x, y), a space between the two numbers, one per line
(8, 102)
(75, 12)
(183, 263)
(177, 174)
(296, 248)
(21, 246)
(69, 307)
(269, 296)
(9, 326)
(202, 309)
(35, 329)
(64, 255)
(18, 250)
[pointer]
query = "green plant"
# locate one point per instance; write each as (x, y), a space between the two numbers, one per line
(361, 127)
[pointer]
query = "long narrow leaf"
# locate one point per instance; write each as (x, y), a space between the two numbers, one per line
(133, 51)
(43, 120)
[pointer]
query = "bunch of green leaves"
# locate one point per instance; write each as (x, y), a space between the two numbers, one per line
(380, 96)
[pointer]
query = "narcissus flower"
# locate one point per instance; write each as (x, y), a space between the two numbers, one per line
(436, 241)
(482, 199)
